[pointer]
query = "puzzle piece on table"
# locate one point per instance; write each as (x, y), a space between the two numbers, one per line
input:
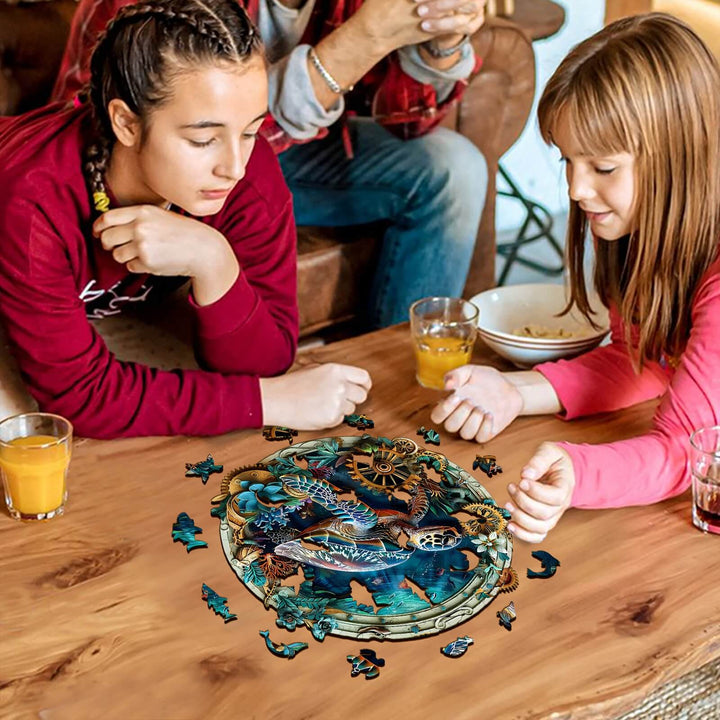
(202, 469)
(430, 436)
(458, 647)
(277, 433)
(506, 616)
(217, 603)
(488, 464)
(549, 564)
(366, 662)
(361, 422)
(184, 530)
(281, 649)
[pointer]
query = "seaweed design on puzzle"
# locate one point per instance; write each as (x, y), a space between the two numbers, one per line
(377, 513)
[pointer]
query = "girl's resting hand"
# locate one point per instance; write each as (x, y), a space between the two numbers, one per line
(314, 398)
(148, 239)
(546, 486)
(483, 403)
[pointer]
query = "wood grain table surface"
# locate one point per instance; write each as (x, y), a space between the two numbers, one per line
(102, 617)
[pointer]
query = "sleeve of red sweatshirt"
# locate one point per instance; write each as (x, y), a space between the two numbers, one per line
(70, 371)
(603, 379)
(253, 328)
(655, 466)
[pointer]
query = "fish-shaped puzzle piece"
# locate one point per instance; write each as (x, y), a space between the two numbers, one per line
(549, 564)
(430, 436)
(184, 530)
(361, 422)
(278, 433)
(217, 603)
(281, 649)
(506, 616)
(488, 464)
(202, 469)
(458, 647)
(366, 662)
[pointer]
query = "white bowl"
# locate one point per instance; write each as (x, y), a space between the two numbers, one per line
(504, 309)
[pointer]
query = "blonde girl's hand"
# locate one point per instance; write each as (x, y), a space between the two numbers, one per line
(483, 403)
(544, 493)
(314, 398)
(149, 239)
(450, 20)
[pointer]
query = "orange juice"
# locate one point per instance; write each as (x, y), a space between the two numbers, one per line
(34, 476)
(437, 355)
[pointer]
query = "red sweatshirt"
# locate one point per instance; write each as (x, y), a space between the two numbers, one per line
(54, 275)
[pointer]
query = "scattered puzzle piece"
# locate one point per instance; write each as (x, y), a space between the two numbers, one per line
(276, 433)
(202, 469)
(367, 662)
(361, 422)
(506, 616)
(281, 649)
(488, 464)
(549, 564)
(458, 647)
(217, 603)
(430, 436)
(184, 530)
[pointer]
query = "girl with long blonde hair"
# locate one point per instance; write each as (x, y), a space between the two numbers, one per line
(635, 113)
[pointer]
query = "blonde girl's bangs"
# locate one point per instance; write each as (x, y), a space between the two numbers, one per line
(600, 122)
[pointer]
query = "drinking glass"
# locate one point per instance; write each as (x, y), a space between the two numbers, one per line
(444, 331)
(705, 468)
(35, 451)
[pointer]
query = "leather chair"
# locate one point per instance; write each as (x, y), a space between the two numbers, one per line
(334, 265)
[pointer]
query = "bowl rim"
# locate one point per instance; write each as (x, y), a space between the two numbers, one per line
(550, 343)
(535, 342)
(549, 348)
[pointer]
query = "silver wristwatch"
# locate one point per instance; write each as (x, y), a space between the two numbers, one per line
(437, 52)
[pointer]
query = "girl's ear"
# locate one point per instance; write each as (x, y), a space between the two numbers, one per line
(125, 123)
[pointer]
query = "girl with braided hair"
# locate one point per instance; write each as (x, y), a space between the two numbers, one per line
(160, 178)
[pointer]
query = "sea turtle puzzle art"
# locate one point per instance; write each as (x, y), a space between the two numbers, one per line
(364, 537)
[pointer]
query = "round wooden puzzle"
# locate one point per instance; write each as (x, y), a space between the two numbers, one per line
(365, 537)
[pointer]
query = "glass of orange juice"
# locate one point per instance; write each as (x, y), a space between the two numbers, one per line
(443, 331)
(35, 451)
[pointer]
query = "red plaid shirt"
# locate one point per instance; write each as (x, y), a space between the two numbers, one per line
(405, 106)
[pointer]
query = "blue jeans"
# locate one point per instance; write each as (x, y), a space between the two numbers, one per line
(430, 189)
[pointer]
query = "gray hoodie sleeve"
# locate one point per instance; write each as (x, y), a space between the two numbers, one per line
(292, 98)
(443, 81)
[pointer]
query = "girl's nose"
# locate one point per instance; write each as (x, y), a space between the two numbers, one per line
(233, 164)
(579, 186)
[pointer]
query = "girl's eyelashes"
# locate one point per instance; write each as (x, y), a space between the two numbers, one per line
(205, 143)
(604, 171)
(200, 143)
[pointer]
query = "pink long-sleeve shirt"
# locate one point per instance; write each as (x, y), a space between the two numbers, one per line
(54, 275)
(653, 466)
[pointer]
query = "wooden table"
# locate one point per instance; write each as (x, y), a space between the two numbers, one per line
(101, 614)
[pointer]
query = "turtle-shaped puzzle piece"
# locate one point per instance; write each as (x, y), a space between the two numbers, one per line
(202, 469)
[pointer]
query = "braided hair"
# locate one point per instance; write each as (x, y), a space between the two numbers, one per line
(140, 49)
